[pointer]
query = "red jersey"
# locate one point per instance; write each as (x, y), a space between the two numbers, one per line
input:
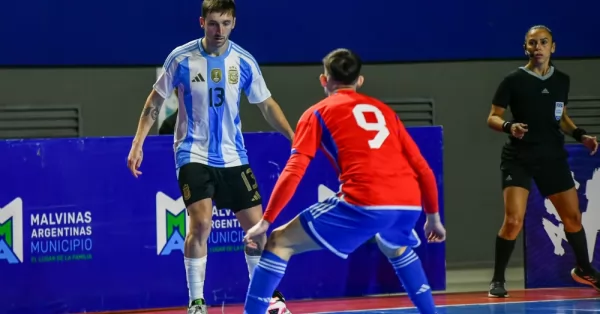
(378, 163)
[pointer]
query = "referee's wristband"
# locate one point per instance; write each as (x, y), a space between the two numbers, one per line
(507, 126)
(578, 133)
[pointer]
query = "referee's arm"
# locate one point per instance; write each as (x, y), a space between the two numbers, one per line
(500, 103)
(566, 124)
(496, 118)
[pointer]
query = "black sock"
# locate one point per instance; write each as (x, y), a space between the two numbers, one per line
(578, 243)
(504, 249)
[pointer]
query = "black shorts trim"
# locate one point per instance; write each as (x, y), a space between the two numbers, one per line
(233, 188)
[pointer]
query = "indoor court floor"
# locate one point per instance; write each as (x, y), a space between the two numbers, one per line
(542, 301)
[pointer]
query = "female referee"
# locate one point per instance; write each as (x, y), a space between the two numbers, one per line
(538, 95)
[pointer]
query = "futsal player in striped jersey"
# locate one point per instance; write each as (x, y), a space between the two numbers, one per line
(208, 76)
(383, 176)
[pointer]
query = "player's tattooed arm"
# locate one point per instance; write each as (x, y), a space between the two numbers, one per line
(149, 115)
(152, 111)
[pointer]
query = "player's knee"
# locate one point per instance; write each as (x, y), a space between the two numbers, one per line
(276, 239)
(510, 231)
(200, 219)
(513, 223)
(567, 206)
(393, 252)
(572, 220)
(200, 228)
(515, 204)
(389, 251)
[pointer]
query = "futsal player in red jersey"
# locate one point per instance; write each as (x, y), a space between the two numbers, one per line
(384, 183)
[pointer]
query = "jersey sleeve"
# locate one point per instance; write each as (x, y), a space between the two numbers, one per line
(307, 137)
(502, 95)
(167, 81)
(425, 176)
(253, 84)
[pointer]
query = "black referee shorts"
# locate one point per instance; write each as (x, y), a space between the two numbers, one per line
(551, 176)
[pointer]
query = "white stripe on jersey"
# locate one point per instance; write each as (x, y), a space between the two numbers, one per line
(209, 88)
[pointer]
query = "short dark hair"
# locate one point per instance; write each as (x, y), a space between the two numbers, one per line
(343, 66)
(218, 6)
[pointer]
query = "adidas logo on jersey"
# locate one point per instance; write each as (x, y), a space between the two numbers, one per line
(256, 197)
(198, 78)
(545, 91)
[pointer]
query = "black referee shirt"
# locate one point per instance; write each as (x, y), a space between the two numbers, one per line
(539, 102)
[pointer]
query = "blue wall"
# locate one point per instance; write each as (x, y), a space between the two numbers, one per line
(143, 32)
(78, 233)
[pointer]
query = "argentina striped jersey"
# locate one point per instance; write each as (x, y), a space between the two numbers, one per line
(208, 89)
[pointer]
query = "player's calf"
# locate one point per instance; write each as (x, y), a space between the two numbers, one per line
(266, 278)
(248, 218)
(253, 253)
(283, 242)
(269, 271)
(567, 206)
(195, 252)
(409, 270)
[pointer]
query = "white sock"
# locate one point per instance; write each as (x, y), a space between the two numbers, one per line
(195, 269)
(252, 261)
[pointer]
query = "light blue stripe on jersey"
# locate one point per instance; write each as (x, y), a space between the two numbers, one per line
(246, 54)
(216, 108)
(246, 75)
(245, 81)
(183, 153)
(178, 52)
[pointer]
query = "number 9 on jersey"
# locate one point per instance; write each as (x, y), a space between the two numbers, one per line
(379, 125)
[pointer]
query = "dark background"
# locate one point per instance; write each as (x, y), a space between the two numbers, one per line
(80, 69)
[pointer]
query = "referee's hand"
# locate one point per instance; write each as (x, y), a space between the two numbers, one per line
(518, 130)
(134, 160)
(590, 142)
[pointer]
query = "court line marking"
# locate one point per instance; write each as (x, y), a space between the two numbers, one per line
(458, 305)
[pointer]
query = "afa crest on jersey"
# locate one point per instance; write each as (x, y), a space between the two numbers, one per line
(233, 75)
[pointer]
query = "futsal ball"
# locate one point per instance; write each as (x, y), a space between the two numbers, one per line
(277, 307)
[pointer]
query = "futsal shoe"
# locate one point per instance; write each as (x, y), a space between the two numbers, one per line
(278, 296)
(587, 278)
(197, 307)
(497, 290)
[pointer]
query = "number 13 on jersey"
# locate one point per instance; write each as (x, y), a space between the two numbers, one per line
(379, 125)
